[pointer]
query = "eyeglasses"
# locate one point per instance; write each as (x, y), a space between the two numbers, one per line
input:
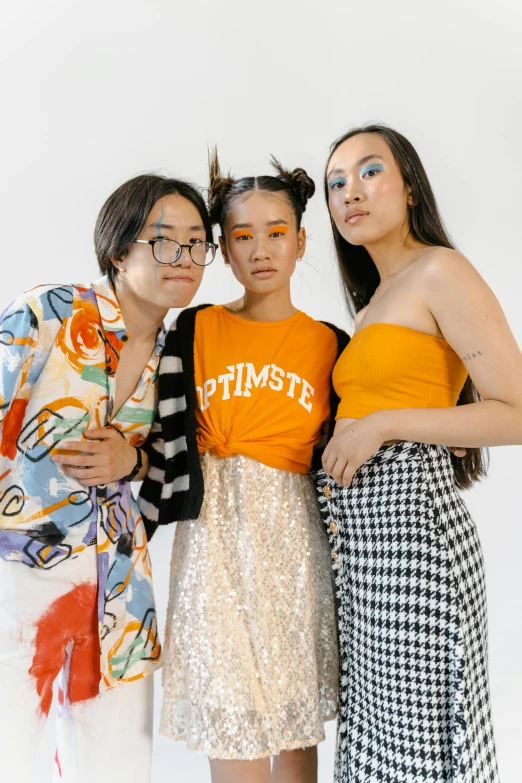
(168, 251)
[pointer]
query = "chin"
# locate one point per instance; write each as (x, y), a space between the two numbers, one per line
(179, 296)
(359, 236)
(166, 302)
(177, 302)
(354, 240)
(265, 287)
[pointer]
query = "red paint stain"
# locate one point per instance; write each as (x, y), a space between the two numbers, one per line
(12, 427)
(72, 617)
(57, 762)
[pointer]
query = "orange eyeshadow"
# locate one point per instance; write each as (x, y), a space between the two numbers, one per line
(242, 233)
(281, 229)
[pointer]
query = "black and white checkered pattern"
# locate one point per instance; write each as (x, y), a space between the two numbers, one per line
(412, 623)
(173, 490)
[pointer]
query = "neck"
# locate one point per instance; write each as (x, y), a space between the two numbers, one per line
(142, 319)
(273, 306)
(395, 252)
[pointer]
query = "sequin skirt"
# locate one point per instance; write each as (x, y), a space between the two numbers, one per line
(250, 656)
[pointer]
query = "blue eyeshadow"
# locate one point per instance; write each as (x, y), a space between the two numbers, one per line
(336, 181)
(372, 167)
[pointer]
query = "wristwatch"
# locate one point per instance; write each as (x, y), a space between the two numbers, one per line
(137, 467)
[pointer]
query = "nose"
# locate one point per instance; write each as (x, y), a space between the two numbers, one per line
(261, 250)
(185, 259)
(352, 192)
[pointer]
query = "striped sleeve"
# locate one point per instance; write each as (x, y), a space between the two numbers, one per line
(166, 446)
(150, 492)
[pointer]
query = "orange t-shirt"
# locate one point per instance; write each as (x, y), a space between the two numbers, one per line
(263, 388)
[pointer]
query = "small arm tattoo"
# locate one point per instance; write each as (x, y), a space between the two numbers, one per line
(471, 356)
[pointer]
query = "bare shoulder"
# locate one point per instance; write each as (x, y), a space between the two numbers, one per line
(441, 262)
(443, 268)
(359, 316)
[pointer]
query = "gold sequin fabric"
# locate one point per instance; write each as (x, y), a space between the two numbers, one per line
(250, 656)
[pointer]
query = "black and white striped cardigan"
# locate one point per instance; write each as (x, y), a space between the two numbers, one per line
(174, 488)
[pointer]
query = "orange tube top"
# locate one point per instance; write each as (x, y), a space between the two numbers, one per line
(387, 366)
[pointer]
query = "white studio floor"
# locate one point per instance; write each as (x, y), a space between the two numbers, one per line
(172, 761)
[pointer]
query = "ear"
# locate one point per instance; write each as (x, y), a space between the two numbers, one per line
(118, 263)
(301, 242)
(224, 251)
(409, 198)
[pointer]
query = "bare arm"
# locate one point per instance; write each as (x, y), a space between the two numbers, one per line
(471, 320)
(473, 323)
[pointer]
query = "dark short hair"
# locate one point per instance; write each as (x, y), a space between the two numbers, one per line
(123, 215)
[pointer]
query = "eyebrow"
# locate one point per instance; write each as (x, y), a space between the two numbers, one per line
(365, 159)
(279, 222)
(169, 227)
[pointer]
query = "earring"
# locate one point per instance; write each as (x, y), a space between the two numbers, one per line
(300, 258)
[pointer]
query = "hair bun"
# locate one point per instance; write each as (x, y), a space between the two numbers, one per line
(218, 187)
(302, 185)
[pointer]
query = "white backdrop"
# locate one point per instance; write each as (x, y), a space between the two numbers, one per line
(94, 93)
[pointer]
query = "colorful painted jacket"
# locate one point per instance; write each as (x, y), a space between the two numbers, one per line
(59, 350)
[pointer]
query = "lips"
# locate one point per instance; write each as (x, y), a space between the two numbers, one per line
(180, 278)
(355, 215)
(264, 270)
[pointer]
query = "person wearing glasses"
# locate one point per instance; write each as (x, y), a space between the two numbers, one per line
(77, 399)
(251, 657)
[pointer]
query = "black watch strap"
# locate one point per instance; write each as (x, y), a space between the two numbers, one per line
(137, 467)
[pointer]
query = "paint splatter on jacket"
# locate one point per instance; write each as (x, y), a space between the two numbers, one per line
(59, 351)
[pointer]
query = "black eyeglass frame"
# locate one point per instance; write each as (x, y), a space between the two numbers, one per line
(152, 242)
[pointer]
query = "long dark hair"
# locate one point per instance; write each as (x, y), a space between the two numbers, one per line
(123, 215)
(296, 185)
(361, 278)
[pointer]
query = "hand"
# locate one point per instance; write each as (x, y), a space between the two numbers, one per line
(104, 457)
(351, 445)
(458, 451)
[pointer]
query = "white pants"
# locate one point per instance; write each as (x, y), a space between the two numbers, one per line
(49, 630)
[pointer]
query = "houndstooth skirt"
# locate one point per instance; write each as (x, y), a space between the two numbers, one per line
(412, 623)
